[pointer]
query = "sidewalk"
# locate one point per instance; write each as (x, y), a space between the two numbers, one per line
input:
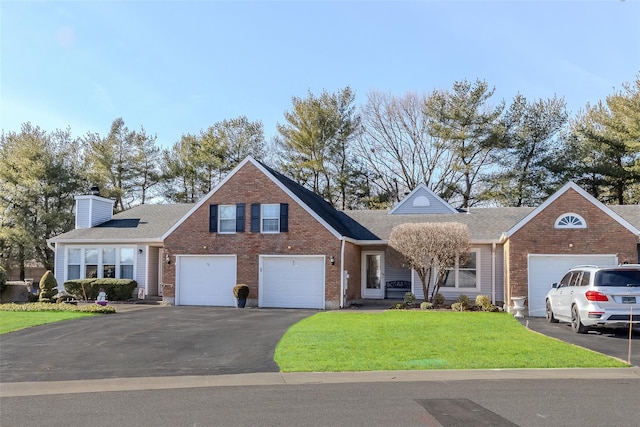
(300, 378)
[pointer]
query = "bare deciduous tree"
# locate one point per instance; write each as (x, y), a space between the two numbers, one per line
(397, 146)
(431, 249)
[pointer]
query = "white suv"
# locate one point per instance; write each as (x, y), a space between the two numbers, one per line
(596, 297)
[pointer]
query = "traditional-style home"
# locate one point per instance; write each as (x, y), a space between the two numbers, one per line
(293, 249)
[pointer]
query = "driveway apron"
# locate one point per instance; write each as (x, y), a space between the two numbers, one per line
(605, 341)
(160, 341)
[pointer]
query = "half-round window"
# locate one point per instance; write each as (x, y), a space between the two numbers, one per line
(570, 220)
(421, 201)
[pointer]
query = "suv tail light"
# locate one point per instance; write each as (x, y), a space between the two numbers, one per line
(595, 296)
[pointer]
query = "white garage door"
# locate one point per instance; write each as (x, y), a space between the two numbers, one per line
(205, 280)
(292, 281)
(544, 270)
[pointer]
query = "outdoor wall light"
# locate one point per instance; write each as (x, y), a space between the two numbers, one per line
(140, 251)
(168, 259)
(570, 245)
(332, 260)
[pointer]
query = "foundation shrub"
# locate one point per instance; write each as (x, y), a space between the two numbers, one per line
(426, 305)
(116, 289)
(409, 298)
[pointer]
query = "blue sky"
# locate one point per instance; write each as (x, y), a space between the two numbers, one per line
(177, 67)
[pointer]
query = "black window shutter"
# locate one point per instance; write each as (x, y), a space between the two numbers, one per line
(284, 217)
(213, 218)
(240, 218)
(255, 217)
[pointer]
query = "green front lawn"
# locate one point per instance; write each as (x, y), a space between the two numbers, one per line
(19, 316)
(12, 321)
(408, 340)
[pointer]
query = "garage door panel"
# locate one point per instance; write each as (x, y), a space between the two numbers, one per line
(206, 280)
(292, 282)
(544, 270)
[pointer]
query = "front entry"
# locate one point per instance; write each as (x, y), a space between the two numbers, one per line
(373, 275)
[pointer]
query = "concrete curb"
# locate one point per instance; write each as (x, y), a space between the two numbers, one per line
(301, 378)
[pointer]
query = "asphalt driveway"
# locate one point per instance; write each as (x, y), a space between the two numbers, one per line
(151, 342)
(605, 341)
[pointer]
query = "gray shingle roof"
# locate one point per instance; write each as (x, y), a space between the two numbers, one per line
(485, 224)
(631, 213)
(340, 222)
(144, 222)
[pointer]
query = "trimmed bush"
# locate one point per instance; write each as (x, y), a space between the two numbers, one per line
(409, 298)
(439, 300)
(483, 301)
(116, 289)
(426, 305)
(399, 306)
(463, 299)
(48, 287)
(458, 306)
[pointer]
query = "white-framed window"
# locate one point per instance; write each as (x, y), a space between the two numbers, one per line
(100, 262)
(74, 263)
(466, 274)
(227, 219)
(570, 220)
(270, 218)
(109, 263)
(126, 263)
(91, 263)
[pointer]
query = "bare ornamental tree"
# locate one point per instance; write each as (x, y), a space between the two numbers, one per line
(431, 249)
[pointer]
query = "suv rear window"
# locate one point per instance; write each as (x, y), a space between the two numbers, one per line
(618, 278)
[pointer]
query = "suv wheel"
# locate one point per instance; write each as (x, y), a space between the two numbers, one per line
(550, 317)
(576, 324)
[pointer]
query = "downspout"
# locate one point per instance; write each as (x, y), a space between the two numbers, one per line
(342, 244)
(493, 273)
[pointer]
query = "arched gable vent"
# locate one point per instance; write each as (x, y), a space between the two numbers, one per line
(421, 201)
(570, 220)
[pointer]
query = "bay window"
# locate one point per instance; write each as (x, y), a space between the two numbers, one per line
(105, 262)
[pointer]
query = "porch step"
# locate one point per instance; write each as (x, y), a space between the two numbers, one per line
(148, 300)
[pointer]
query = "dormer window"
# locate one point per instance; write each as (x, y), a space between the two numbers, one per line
(570, 220)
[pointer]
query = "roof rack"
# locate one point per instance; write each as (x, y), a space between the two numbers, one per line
(585, 265)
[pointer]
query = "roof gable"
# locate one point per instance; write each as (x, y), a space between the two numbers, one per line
(422, 200)
(336, 222)
(573, 186)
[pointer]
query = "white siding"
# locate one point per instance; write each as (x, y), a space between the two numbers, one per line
(141, 268)
(392, 274)
(101, 211)
(83, 212)
(484, 271)
(436, 205)
(92, 211)
(58, 267)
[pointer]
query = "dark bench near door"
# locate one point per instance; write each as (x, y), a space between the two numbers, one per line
(395, 289)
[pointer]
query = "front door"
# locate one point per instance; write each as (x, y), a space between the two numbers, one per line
(373, 275)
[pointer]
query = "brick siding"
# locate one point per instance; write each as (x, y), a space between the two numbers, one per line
(306, 236)
(603, 235)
